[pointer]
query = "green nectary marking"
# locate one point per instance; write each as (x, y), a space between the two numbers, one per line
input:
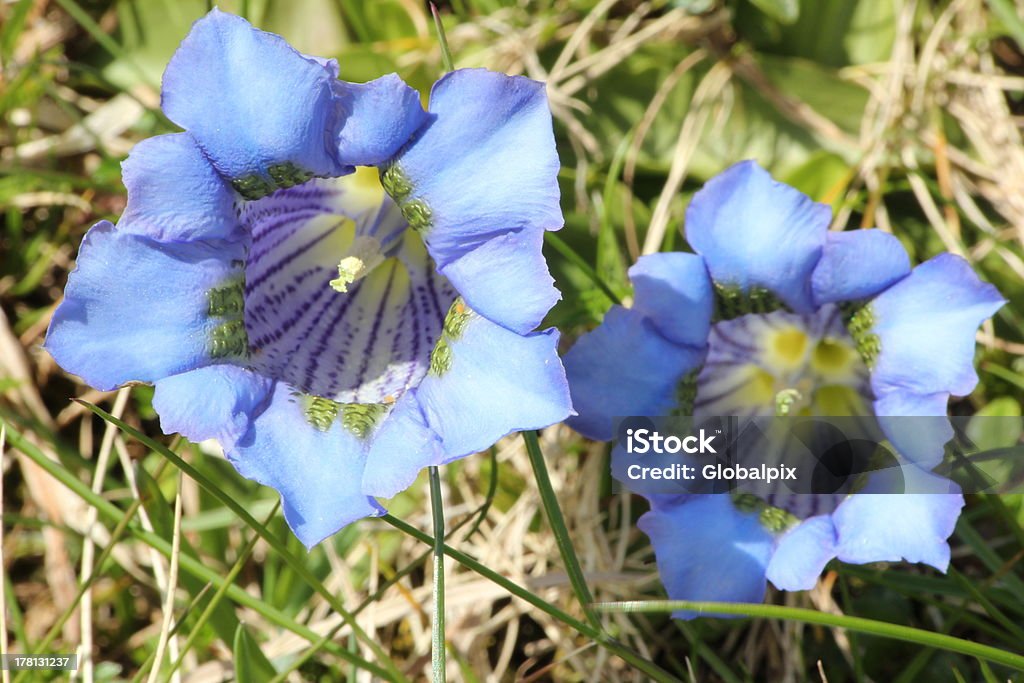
(859, 322)
(229, 339)
(288, 174)
(227, 301)
(257, 186)
(459, 315)
(772, 518)
(395, 183)
(361, 418)
(320, 412)
(731, 301)
(441, 357)
(252, 186)
(416, 213)
(686, 393)
(776, 519)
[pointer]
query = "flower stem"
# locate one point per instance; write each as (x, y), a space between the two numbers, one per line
(437, 640)
(446, 55)
(557, 521)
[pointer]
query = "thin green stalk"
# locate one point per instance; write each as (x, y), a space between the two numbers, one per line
(884, 629)
(300, 566)
(437, 639)
(559, 245)
(652, 670)
(211, 606)
(557, 521)
(446, 55)
(188, 564)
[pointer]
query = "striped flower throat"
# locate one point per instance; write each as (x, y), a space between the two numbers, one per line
(782, 363)
(339, 300)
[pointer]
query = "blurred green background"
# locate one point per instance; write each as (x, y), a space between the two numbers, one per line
(904, 115)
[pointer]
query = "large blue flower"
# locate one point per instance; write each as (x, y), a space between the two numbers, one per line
(281, 304)
(775, 306)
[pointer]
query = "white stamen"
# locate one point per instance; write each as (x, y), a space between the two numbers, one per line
(363, 256)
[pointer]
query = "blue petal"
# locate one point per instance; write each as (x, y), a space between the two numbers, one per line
(317, 473)
(876, 527)
(215, 402)
(251, 101)
(136, 309)
(915, 425)
(674, 291)
(402, 446)
(381, 116)
(506, 280)
(624, 367)
(174, 194)
(926, 325)
(486, 167)
(707, 550)
(857, 265)
(755, 232)
(498, 382)
(802, 553)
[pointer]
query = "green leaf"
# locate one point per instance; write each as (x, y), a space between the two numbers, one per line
(990, 434)
(251, 665)
(783, 11)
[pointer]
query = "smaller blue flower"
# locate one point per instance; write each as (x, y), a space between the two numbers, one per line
(333, 337)
(773, 306)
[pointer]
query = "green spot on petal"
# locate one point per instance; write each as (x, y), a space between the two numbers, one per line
(395, 182)
(361, 418)
(257, 186)
(229, 340)
(459, 315)
(320, 412)
(227, 301)
(859, 322)
(731, 301)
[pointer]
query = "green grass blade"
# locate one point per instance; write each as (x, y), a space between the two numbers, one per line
(437, 639)
(652, 670)
(557, 521)
(296, 563)
(907, 634)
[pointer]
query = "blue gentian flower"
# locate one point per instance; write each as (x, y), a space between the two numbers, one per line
(774, 306)
(334, 338)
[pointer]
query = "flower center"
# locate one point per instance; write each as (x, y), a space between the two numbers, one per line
(781, 363)
(341, 301)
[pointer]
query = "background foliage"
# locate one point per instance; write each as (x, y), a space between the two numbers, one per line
(903, 114)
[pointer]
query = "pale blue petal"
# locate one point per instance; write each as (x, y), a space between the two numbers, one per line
(876, 527)
(215, 402)
(252, 102)
(674, 291)
(707, 550)
(402, 446)
(926, 324)
(317, 473)
(136, 309)
(915, 425)
(486, 167)
(624, 367)
(801, 554)
(506, 280)
(857, 265)
(755, 232)
(498, 382)
(381, 116)
(174, 194)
